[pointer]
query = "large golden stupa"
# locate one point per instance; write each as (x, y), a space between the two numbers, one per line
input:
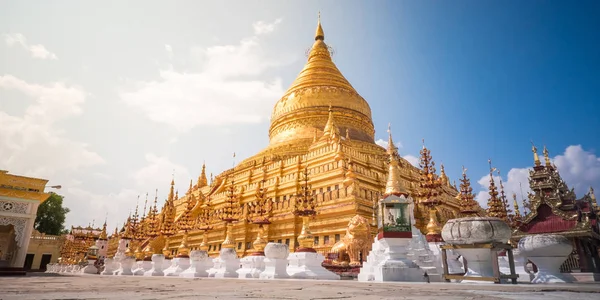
(321, 123)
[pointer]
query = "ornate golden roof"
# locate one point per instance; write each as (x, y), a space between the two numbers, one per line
(305, 105)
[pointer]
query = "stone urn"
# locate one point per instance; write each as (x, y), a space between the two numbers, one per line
(476, 230)
(548, 252)
(276, 262)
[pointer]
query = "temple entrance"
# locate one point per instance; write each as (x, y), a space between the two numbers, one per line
(28, 261)
(8, 245)
(45, 261)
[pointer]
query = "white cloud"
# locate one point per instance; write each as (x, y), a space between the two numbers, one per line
(36, 51)
(226, 90)
(262, 27)
(580, 169)
(413, 160)
(31, 144)
(384, 143)
(158, 173)
(169, 50)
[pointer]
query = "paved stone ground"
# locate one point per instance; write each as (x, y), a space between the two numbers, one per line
(53, 286)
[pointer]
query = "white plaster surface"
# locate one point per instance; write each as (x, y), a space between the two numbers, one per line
(547, 252)
(389, 262)
(475, 230)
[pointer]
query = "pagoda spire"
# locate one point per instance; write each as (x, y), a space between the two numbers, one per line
(536, 158)
(319, 34)
(331, 130)
(468, 205)
(429, 190)
(172, 190)
(516, 205)
(103, 234)
(394, 185)
(392, 150)
(503, 197)
(202, 182)
(547, 157)
(496, 207)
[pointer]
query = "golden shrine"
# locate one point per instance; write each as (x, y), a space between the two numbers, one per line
(321, 125)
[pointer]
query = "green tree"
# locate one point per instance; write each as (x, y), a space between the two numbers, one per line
(51, 215)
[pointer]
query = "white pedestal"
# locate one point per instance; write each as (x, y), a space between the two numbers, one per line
(126, 265)
(172, 266)
(228, 265)
(182, 264)
(389, 263)
(216, 264)
(167, 263)
(157, 266)
(418, 250)
(90, 268)
(307, 265)
(109, 267)
(479, 263)
(276, 262)
(252, 266)
(549, 270)
(139, 268)
(200, 262)
(524, 276)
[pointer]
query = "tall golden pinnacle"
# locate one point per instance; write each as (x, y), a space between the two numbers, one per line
(103, 234)
(204, 221)
(468, 205)
(202, 181)
(230, 213)
(507, 209)
(536, 158)
(153, 226)
(167, 220)
(495, 208)
(186, 223)
(547, 157)
(259, 214)
(518, 215)
(319, 35)
(393, 185)
(305, 208)
(429, 192)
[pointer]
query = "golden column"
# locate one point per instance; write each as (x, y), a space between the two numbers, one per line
(305, 208)
(204, 221)
(230, 213)
(259, 215)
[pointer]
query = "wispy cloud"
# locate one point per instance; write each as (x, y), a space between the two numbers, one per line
(38, 51)
(262, 27)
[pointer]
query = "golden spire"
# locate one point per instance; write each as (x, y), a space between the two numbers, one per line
(536, 158)
(319, 35)
(172, 191)
(202, 182)
(318, 85)
(495, 208)
(103, 234)
(331, 130)
(547, 157)
(468, 205)
(391, 148)
(393, 185)
(516, 205)
(191, 186)
(443, 177)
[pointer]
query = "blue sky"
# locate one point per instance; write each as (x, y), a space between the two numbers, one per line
(113, 96)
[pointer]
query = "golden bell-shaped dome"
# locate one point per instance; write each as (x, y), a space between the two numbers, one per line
(305, 105)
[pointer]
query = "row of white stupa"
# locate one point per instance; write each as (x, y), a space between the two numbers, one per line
(391, 259)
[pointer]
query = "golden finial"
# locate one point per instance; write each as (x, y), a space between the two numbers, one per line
(592, 195)
(496, 207)
(468, 206)
(347, 134)
(319, 35)
(536, 158)
(547, 157)
(391, 148)
(516, 205)
(202, 182)
(191, 185)
(103, 234)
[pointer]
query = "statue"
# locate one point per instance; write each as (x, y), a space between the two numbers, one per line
(357, 239)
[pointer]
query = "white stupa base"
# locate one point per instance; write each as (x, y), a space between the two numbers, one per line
(252, 266)
(389, 263)
(275, 268)
(307, 265)
(90, 268)
(144, 266)
(109, 267)
(524, 276)
(172, 266)
(197, 268)
(126, 265)
(228, 265)
(216, 265)
(183, 263)
(479, 263)
(549, 270)
(157, 266)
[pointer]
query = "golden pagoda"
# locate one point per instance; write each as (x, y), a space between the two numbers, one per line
(320, 125)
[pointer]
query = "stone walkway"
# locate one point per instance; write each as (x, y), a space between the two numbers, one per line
(53, 286)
